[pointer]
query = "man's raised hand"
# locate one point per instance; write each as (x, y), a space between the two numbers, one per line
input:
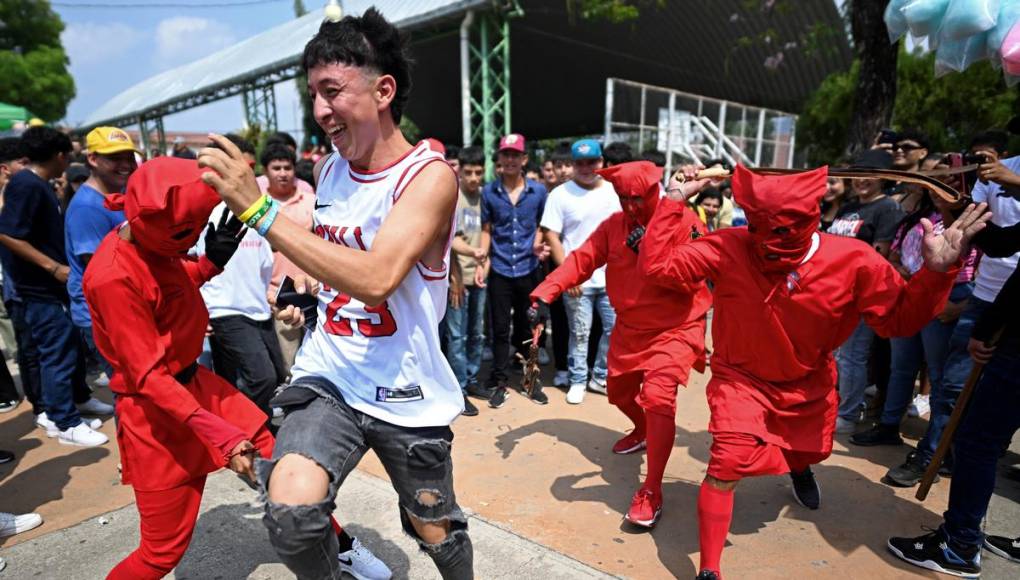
(231, 176)
(943, 250)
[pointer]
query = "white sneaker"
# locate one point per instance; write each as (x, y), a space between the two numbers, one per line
(598, 386)
(871, 391)
(361, 563)
(844, 426)
(919, 406)
(100, 381)
(543, 356)
(561, 379)
(277, 412)
(95, 407)
(11, 524)
(43, 422)
(3, 564)
(82, 435)
(576, 393)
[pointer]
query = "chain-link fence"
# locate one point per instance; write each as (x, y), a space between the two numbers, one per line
(686, 127)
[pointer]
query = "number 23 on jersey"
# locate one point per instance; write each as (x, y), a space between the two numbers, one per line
(379, 320)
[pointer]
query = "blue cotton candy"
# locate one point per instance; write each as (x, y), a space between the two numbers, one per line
(925, 16)
(965, 18)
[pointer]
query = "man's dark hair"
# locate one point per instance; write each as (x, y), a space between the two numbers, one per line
(911, 134)
(277, 152)
(533, 167)
(11, 149)
(617, 152)
(709, 193)
(305, 170)
(999, 140)
(452, 152)
(281, 137)
(656, 157)
(42, 144)
(720, 162)
(241, 143)
(472, 156)
(562, 153)
(368, 41)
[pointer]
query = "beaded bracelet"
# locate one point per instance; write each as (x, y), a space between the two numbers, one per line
(254, 208)
(267, 222)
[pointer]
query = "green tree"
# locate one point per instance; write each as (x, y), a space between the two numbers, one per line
(615, 11)
(33, 64)
(949, 109)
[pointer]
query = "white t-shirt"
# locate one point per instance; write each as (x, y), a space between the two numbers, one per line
(574, 212)
(241, 287)
(993, 272)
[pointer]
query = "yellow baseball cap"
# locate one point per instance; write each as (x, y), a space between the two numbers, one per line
(109, 140)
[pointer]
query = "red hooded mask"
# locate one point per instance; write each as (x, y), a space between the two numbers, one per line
(637, 178)
(166, 205)
(782, 214)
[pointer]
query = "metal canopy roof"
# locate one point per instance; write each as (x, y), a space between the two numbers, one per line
(268, 57)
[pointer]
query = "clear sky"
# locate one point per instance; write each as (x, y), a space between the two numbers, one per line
(112, 49)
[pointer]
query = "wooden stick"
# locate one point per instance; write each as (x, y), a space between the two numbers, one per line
(954, 420)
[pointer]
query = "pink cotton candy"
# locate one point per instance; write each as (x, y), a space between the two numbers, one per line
(1010, 51)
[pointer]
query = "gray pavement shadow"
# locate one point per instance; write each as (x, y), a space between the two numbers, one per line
(13, 431)
(231, 543)
(45, 482)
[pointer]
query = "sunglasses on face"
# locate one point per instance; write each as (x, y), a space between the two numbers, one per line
(907, 148)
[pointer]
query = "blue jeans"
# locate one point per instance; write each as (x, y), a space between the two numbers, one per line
(57, 341)
(90, 343)
(852, 362)
(954, 375)
(465, 336)
(579, 317)
(930, 345)
(993, 416)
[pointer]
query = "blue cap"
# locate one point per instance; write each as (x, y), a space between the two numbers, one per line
(586, 149)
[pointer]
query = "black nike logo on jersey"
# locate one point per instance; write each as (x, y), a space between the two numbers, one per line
(322, 205)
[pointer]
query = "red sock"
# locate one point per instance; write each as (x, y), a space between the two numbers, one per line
(336, 525)
(661, 432)
(636, 414)
(715, 510)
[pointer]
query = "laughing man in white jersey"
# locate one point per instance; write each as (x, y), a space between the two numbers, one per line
(371, 375)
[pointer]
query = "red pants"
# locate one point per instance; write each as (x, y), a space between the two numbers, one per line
(167, 523)
(739, 455)
(656, 395)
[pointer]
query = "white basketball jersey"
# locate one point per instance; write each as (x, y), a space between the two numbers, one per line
(385, 360)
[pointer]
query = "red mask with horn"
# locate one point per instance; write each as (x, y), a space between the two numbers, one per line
(634, 181)
(166, 205)
(782, 212)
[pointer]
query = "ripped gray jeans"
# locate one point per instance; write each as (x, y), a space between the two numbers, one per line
(319, 425)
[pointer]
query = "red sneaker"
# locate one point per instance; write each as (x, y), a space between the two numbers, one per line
(645, 508)
(631, 443)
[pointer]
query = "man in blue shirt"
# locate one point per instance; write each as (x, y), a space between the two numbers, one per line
(511, 208)
(32, 228)
(111, 159)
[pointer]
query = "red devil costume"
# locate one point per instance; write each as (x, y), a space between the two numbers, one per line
(177, 421)
(785, 298)
(660, 328)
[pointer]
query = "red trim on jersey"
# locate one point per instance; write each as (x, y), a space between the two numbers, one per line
(329, 168)
(360, 180)
(390, 166)
(429, 277)
(357, 238)
(402, 185)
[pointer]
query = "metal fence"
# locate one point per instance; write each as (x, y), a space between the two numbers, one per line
(687, 127)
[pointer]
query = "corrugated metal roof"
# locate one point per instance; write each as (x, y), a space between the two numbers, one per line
(273, 49)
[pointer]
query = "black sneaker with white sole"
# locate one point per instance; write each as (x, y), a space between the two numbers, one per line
(498, 398)
(707, 575)
(538, 396)
(1008, 548)
(909, 473)
(933, 552)
(806, 490)
(470, 410)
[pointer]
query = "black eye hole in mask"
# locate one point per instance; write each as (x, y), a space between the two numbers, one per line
(752, 228)
(182, 234)
(781, 231)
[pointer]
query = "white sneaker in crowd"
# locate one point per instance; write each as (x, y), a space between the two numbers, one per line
(11, 524)
(43, 422)
(277, 412)
(82, 435)
(561, 379)
(3, 564)
(575, 396)
(8, 406)
(100, 381)
(871, 391)
(361, 563)
(844, 426)
(598, 386)
(95, 407)
(919, 407)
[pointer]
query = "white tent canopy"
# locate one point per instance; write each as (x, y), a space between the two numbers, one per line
(270, 51)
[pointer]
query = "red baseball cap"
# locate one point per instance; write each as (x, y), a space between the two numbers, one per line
(513, 142)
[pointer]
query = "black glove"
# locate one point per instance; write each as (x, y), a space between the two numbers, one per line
(538, 314)
(221, 242)
(634, 238)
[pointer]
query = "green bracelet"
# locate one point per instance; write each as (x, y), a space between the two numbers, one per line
(260, 212)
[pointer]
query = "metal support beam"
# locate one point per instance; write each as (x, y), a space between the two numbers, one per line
(160, 136)
(260, 107)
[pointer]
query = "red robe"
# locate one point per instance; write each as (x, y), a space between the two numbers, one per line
(773, 372)
(149, 320)
(658, 325)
